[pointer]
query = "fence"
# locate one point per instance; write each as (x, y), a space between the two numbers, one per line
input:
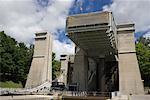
(85, 93)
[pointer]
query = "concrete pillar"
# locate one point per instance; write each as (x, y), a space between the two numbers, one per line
(129, 74)
(80, 70)
(41, 66)
(92, 75)
(101, 75)
(64, 69)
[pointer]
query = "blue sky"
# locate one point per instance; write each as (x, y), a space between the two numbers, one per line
(78, 7)
(87, 6)
(22, 18)
(83, 6)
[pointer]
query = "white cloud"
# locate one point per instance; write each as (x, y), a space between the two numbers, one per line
(135, 11)
(17, 18)
(22, 18)
(62, 48)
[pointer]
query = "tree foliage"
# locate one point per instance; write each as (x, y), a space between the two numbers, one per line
(143, 54)
(55, 67)
(15, 59)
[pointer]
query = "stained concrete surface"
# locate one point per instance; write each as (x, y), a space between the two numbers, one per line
(27, 97)
(140, 97)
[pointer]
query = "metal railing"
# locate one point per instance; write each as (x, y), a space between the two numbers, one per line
(85, 93)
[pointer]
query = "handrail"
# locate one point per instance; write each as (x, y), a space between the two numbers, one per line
(86, 93)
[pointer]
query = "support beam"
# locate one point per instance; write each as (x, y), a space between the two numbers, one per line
(101, 76)
(89, 34)
(80, 70)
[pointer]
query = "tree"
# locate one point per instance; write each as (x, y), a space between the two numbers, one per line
(55, 67)
(143, 55)
(15, 59)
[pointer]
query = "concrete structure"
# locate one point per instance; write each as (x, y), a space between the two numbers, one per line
(111, 50)
(129, 73)
(67, 62)
(41, 66)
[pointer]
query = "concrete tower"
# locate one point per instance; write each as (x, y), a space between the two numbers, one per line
(112, 49)
(41, 66)
(129, 74)
(67, 62)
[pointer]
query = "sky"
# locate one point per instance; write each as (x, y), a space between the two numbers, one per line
(20, 19)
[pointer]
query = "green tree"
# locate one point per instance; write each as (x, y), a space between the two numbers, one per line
(55, 67)
(15, 59)
(143, 55)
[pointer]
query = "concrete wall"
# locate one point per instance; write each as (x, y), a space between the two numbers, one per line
(87, 19)
(41, 66)
(129, 74)
(101, 86)
(92, 75)
(66, 73)
(64, 69)
(80, 70)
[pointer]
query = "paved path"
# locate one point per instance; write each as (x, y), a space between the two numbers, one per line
(140, 97)
(27, 97)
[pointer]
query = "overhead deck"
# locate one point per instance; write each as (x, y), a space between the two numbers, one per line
(94, 32)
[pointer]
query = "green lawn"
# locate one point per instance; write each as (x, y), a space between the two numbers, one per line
(10, 84)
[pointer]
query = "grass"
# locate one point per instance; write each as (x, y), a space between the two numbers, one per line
(10, 84)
